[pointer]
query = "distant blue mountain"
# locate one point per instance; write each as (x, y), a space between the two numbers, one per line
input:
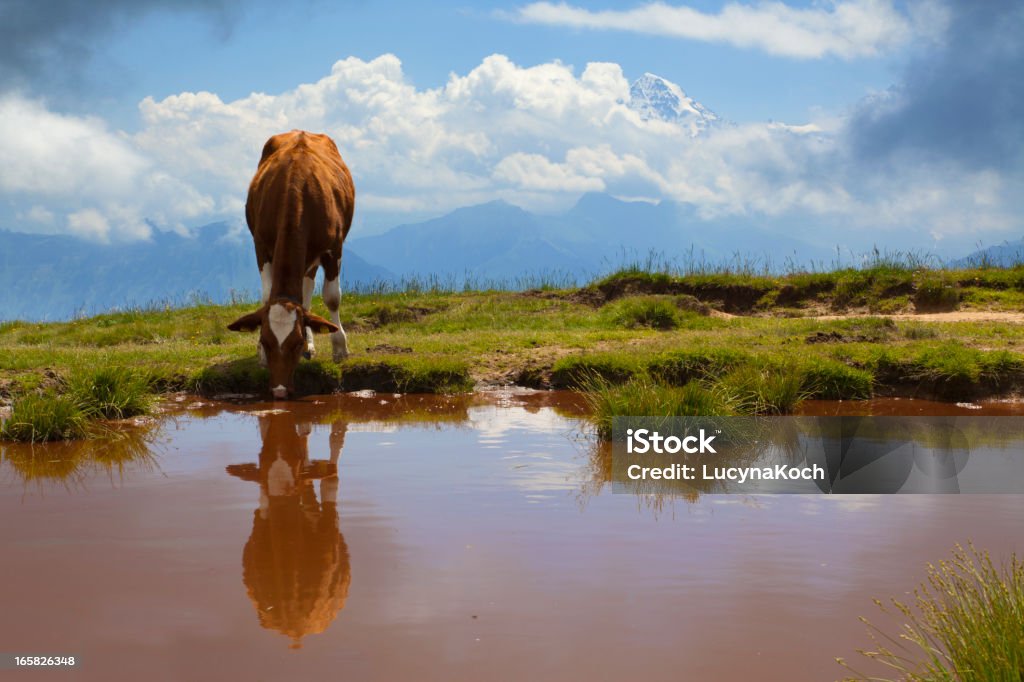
(1003, 255)
(492, 240)
(499, 241)
(56, 277)
(50, 277)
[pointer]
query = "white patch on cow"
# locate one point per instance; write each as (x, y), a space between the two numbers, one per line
(308, 284)
(262, 353)
(266, 278)
(332, 293)
(280, 478)
(282, 322)
(332, 299)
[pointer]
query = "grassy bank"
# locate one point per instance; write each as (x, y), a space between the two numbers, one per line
(763, 338)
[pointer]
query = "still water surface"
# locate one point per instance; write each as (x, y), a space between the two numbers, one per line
(463, 538)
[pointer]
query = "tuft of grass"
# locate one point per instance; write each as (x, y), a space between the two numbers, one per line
(236, 376)
(764, 390)
(417, 374)
(966, 624)
(868, 286)
(45, 417)
(385, 313)
(917, 332)
(680, 367)
(643, 396)
(832, 380)
(111, 393)
(937, 292)
(652, 312)
(575, 371)
(70, 410)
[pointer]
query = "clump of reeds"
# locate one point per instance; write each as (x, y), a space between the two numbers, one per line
(72, 409)
(111, 393)
(764, 390)
(42, 417)
(643, 396)
(652, 312)
(966, 624)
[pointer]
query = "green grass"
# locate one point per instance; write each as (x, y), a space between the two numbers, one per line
(642, 396)
(36, 418)
(764, 390)
(966, 624)
(651, 312)
(659, 323)
(882, 284)
(747, 390)
(70, 410)
(937, 292)
(829, 379)
(111, 393)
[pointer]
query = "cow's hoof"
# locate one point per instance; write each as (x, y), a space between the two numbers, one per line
(307, 354)
(340, 356)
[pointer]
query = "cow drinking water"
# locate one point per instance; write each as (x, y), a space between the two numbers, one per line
(299, 211)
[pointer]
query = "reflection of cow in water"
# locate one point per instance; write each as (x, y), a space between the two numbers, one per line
(296, 564)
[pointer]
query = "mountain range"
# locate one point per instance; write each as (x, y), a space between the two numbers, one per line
(499, 241)
(1005, 255)
(54, 277)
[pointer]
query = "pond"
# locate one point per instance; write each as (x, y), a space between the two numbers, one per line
(382, 537)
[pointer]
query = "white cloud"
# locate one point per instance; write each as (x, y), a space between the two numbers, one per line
(114, 220)
(844, 28)
(534, 171)
(536, 136)
(99, 180)
(38, 214)
(90, 224)
(49, 154)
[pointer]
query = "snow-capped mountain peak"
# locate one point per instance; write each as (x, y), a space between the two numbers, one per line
(654, 97)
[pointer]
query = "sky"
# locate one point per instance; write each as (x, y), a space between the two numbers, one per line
(851, 121)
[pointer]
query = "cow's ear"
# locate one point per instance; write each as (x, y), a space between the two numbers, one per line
(248, 323)
(319, 324)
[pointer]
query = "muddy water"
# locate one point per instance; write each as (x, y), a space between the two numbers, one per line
(465, 538)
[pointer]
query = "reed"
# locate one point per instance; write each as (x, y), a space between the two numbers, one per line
(966, 624)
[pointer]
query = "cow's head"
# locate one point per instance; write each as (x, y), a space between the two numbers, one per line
(282, 324)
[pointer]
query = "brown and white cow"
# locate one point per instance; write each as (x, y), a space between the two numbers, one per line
(299, 211)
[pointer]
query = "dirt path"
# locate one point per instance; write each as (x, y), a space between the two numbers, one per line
(955, 316)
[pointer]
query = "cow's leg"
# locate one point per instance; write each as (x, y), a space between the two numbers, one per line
(266, 279)
(332, 299)
(329, 485)
(308, 283)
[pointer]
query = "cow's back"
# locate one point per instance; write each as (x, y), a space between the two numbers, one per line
(302, 189)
